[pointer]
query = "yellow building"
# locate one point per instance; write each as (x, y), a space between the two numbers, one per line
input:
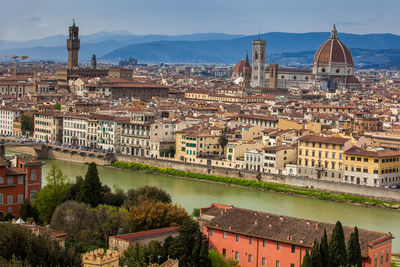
(321, 157)
(196, 142)
(287, 124)
(372, 167)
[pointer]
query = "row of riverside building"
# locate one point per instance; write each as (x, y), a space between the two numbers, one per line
(264, 144)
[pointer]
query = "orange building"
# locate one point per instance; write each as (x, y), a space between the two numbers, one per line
(20, 179)
(262, 239)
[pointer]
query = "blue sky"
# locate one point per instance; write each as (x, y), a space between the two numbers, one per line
(32, 19)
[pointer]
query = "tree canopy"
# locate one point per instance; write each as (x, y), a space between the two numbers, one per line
(91, 191)
(146, 193)
(150, 215)
(52, 194)
(19, 243)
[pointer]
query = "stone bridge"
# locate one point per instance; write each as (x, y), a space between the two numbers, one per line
(49, 151)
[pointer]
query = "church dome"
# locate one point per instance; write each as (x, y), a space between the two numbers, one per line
(333, 51)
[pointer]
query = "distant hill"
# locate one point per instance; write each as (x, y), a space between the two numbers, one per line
(122, 37)
(283, 48)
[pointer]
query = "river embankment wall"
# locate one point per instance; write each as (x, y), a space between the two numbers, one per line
(81, 157)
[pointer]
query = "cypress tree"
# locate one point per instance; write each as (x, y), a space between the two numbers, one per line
(354, 250)
(204, 261)
(324, 250)
(307, 260)
(91, 190)
(337, 247)
(196, 249)
(316, 255)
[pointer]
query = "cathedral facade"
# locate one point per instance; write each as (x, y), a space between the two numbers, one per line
(333, 68)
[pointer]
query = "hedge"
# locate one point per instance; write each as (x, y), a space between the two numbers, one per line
(341, 197)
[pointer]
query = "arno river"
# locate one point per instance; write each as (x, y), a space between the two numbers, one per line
(193, 194)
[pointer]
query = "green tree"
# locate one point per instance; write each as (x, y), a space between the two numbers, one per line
(88, 227)
(57, 107)
(196, 213)
(91, 191)
(354, 250)
(204, 259)
(315, 255)
(223, 141)
(52, 195)
(146, 193)
(28, 212)
(337, 247)
(115, 199)
(324, 251)
(185, 247)
(27, 123)
(307, 260)
(141, 255)
(218, 260)
(17, 242)
(75, 187)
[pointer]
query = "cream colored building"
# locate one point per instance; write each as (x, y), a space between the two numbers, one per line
(48, 127)
(7, 117)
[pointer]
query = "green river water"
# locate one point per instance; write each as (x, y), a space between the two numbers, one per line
(194, 194)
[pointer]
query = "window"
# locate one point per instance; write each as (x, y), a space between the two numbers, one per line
(382, 258)
(264, 261)
(33, 174)
(278, 246)
(20, 199)
(237, 238)
(264, 243)
(365, 159)
(9, 199)
(10, 180)
(211, 232)
(237, 255)
(292, 265)
(224, 235)
(20, 179)
(376, 261)
(250, 258)
(278, 264)
(1, 180)
(224, 251)
(250, 240)
(387, 255)
(293, 248)
(1, 199)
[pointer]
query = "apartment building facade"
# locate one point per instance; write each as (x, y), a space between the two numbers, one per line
(263, 239)
(372, 167)
(20, 179)
(48, 127)
(320, 157)
(7, 117)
